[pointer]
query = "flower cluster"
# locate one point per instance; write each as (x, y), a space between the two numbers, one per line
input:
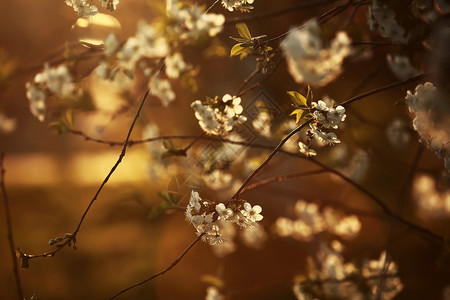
(85, 9)
(189, 22)
(212, 293)
(204, 214)
(308, 60)
(219, 117)
(7, 125)
(176, 66)
(55, 81)
(381, 17)
(310, 221)
(401, 66)
(154, 41)
(242, 5)
(429, 200)
(398, 134)
(262, 123)
(431, 120)
(325, 118)
(391, 285)
(252, 237)
(162, 89)
(334, 275)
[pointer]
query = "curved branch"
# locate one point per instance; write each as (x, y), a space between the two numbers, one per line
(72, 239)
(276, 13)
(173, 264)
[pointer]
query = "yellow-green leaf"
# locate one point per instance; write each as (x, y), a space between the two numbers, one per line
(238, 49)
(212, 280)
(70, 117)
(243, 31)
(59, 126)
(298, 114)
(239, 40)
(298, 99)
(260, 37)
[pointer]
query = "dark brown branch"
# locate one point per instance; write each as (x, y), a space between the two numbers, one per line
(377, 201)
(266, 161)
(173, 264)
(271, 14)
(325, 17)
(9, 229)
(259, 83)
(119, 160)
(185, 149)
(72, 239)
(246, 80)
(281, 178)
(383, 88)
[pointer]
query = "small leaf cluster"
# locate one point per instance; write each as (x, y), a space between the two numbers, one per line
(302, 105)
(252, 45)
(64, 123)
(68, 239)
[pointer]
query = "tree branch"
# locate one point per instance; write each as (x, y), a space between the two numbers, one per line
(271, 14)
(72, 239)
(173, 264)
(281, 178)
(9, 229)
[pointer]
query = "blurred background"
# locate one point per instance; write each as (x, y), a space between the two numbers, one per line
(127, 236)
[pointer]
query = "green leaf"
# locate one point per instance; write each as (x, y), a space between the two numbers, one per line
(70, 115)
(259, 37)
(168, 144)
(298, 99)
(299, 113)
(238, 49)
(239, 40)
(60, 127)
(243, 31)
(212, 280)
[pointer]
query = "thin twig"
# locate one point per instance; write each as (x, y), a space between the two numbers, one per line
(383, 88)
(173, 264)
(266, 161)
(377, 201)
(185, 149)
(280, 12)
(281, 178)
(9, 229)
(85, 55)
(119, 160)
(325, 17)
(246, 80)
(212, 5)
(72, 239)
(259, 83)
